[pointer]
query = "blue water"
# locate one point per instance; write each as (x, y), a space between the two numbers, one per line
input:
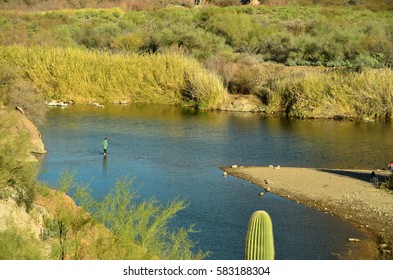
(177, 153)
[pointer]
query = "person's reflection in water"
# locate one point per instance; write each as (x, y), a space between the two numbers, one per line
(105, 166)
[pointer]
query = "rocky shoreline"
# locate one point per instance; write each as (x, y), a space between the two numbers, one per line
(347, 194)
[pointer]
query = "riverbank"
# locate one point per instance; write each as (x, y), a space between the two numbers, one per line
(347, 194)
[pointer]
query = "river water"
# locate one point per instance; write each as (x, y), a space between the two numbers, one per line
(177, 153)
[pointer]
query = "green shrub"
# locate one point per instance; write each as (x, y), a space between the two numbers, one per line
(15, 172)
(26, 196)
(133, 230)
(17, 245)
(131, 42)
(234, 27)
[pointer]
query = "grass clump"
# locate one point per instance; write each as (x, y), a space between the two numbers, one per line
(315, 92)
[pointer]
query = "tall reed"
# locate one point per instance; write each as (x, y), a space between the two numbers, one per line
(85, 76)
(335, 93)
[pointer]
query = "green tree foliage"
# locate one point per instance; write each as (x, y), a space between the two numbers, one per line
(134, 229)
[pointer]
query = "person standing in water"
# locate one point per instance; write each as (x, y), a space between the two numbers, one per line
(105, 145)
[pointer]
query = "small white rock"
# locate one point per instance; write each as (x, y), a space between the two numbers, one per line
(353, 239)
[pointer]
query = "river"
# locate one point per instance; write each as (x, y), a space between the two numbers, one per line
(174, 152)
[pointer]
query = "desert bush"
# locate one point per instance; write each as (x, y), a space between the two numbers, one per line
(244, 79)
(131, 42)
(234, 27)
(99, 36)
(17, 92)
(16, 176)
(294, 35)
(66, 36)
(17, 245)
(196, 42)
(276, 47)
(133, 230)
(25, 95)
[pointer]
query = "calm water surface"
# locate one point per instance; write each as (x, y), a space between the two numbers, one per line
(175, 152)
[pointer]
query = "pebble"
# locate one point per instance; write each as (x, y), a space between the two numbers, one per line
(351, 239)
(383, 246)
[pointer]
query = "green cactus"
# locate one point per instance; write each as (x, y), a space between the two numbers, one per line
(259, 240)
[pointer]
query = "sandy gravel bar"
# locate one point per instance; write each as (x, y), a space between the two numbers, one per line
(348, 194)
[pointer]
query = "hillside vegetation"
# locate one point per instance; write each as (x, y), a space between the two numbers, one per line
(154, 4)
(292, 35)
(328, 60)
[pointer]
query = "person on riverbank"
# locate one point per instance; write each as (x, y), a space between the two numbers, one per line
(390, 166)
(105, 145)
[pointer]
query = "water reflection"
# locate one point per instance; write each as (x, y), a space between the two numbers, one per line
(105, 166)
(175, 152)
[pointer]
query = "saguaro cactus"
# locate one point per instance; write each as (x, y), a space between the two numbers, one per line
(259, 240)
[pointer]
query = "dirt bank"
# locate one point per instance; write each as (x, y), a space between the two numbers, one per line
(348, 194)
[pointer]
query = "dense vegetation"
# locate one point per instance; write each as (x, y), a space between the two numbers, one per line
(150, 56)
(98, 76)
(293, 35)
(154, 4)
